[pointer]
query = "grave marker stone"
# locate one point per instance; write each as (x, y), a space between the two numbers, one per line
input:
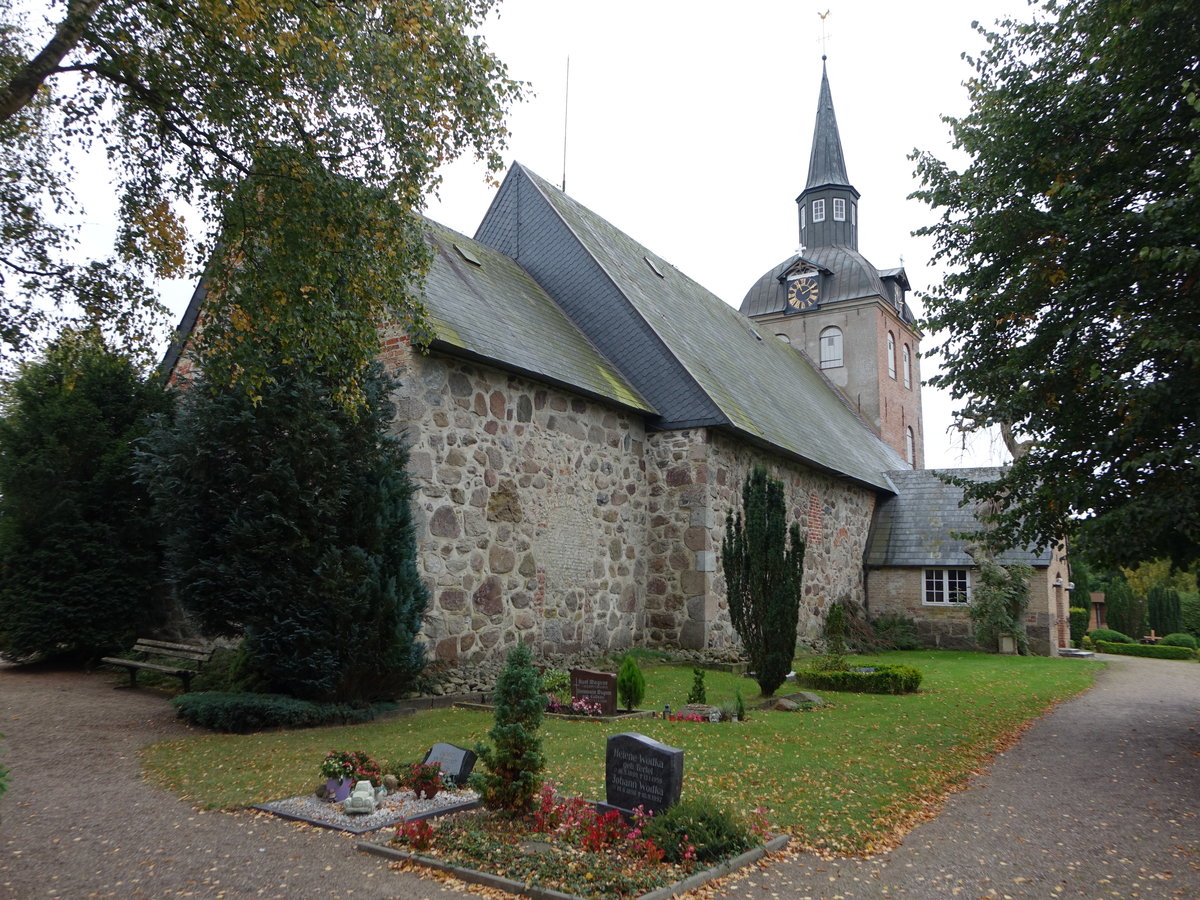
(640, 771)
(598, 687)
(457, 762)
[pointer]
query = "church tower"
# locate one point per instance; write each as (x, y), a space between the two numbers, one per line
(851, 319)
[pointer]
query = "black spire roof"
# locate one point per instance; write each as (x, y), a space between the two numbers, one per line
(826, 164)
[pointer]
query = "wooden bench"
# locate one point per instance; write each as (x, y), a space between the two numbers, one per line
(165, 650)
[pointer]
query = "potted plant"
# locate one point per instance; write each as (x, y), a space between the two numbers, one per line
(341, 768)
(425, 778)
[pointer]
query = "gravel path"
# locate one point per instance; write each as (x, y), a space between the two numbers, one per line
(1098, 800)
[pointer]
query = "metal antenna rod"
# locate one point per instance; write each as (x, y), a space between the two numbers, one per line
(566, 109)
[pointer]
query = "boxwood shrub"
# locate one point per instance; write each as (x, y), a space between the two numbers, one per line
(1107, 634)
(1155, 651)
(242, 713)
(884, 679)
(1178, 639)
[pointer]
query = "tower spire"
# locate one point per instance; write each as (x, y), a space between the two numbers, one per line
(826, 164)
(828, 205)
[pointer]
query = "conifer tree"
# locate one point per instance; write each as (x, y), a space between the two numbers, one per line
(763, 560)
(631, 683)
(1163, 610)
(288, 523)
(515, 761)
(79, 562)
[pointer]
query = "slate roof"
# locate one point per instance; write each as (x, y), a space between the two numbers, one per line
(826, 163)
(917, 526)
(483, 305)
(690, 354)
(853, 278)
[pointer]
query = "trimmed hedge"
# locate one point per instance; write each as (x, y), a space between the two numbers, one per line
(1154, 651)
(1179, 639)
(1107, 634)
(885, 679)
(242, 713)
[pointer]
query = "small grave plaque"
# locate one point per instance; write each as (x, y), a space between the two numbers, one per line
(640, 771)
(598, 687)
(457, 762)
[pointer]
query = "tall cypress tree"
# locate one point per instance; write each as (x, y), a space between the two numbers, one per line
(763, 561)
(288, 522)
(80, 571)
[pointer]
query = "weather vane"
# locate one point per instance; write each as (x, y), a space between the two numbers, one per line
(824, 37)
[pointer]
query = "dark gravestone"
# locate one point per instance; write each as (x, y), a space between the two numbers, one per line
(457, 762)
(598, 687)
(639, 771)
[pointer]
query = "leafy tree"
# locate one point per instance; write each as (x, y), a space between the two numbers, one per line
(79, 561)
(1071, 312)
(185, 98)
(631, 683)
(763, 561)
(515, 760)
(288, 522)
(999, 603)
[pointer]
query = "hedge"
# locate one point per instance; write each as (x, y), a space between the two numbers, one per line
(1155, 651)
(1107, 634)
(885, 679)
(242, 713)
(1178, 639)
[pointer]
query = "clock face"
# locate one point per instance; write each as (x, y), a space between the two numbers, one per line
(803, 293)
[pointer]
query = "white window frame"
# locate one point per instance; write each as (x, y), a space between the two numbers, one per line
(839, 209)
(910, 446)
(907, 367)
(891, 355)
(803, 211)
(853, 213)
(938, 586)
(830, 360)
(818, 211)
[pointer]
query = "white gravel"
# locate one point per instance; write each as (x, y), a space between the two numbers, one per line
(394, 808)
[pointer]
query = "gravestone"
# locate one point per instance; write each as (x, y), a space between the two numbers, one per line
(598, 687)
(456, 762)
(640, 771)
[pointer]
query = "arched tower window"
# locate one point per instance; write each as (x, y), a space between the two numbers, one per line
(891, 354)
(831, 347)
(907, 359)
(910, 446)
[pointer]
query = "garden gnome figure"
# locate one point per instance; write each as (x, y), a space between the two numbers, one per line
(361, 800)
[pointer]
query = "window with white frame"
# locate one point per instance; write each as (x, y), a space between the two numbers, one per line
(907, 367)
(831, 347)
(803, 210)
(853, 213)
(839, 209)
(891, 354)
(910, 446)
(947, 587)
(818, 210)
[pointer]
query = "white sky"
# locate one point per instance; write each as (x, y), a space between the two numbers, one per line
(689, 128)
(690, 121)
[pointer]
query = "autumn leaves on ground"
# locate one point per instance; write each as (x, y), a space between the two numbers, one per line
(848, 778)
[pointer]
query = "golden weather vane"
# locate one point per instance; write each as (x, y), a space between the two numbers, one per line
(823, 15)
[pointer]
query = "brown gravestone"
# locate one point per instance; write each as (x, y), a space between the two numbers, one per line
(598, 687)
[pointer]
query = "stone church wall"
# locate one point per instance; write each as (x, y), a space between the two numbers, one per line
(531, 510)
(695, 477)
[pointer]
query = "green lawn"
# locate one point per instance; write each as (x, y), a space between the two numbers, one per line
(843, 779)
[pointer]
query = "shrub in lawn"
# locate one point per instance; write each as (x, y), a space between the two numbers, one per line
(1153, 651)
(699, 829)
(1079, 622)
(697, 694)
(631, 683)
(885, 679)
(557, 682)
(896, 632)
(1107, 634)
(242, 713)
(763, 560)
(1179, 639)
(515, 761)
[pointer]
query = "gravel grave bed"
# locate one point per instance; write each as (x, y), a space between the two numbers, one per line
(395, 808)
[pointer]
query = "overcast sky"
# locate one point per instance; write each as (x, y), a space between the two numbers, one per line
(689, 125)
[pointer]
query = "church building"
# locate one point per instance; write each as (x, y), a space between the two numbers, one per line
(586, 414)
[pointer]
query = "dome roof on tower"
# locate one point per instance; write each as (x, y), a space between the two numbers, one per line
(847, 276)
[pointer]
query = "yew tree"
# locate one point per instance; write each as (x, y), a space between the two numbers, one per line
(190, 99)
(1070, 316)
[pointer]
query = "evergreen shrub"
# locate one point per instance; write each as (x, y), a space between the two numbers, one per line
(1079, 623)
(631, 683)
(1108, 634)
(896, 632)
(243, 713)
(1153, 651)
(1163, 610)
(697, 694)
(1179, 639)
(514, 760)
(886, 679)
(714, 831)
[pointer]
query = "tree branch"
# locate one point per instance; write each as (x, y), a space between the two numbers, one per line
(24, 84)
